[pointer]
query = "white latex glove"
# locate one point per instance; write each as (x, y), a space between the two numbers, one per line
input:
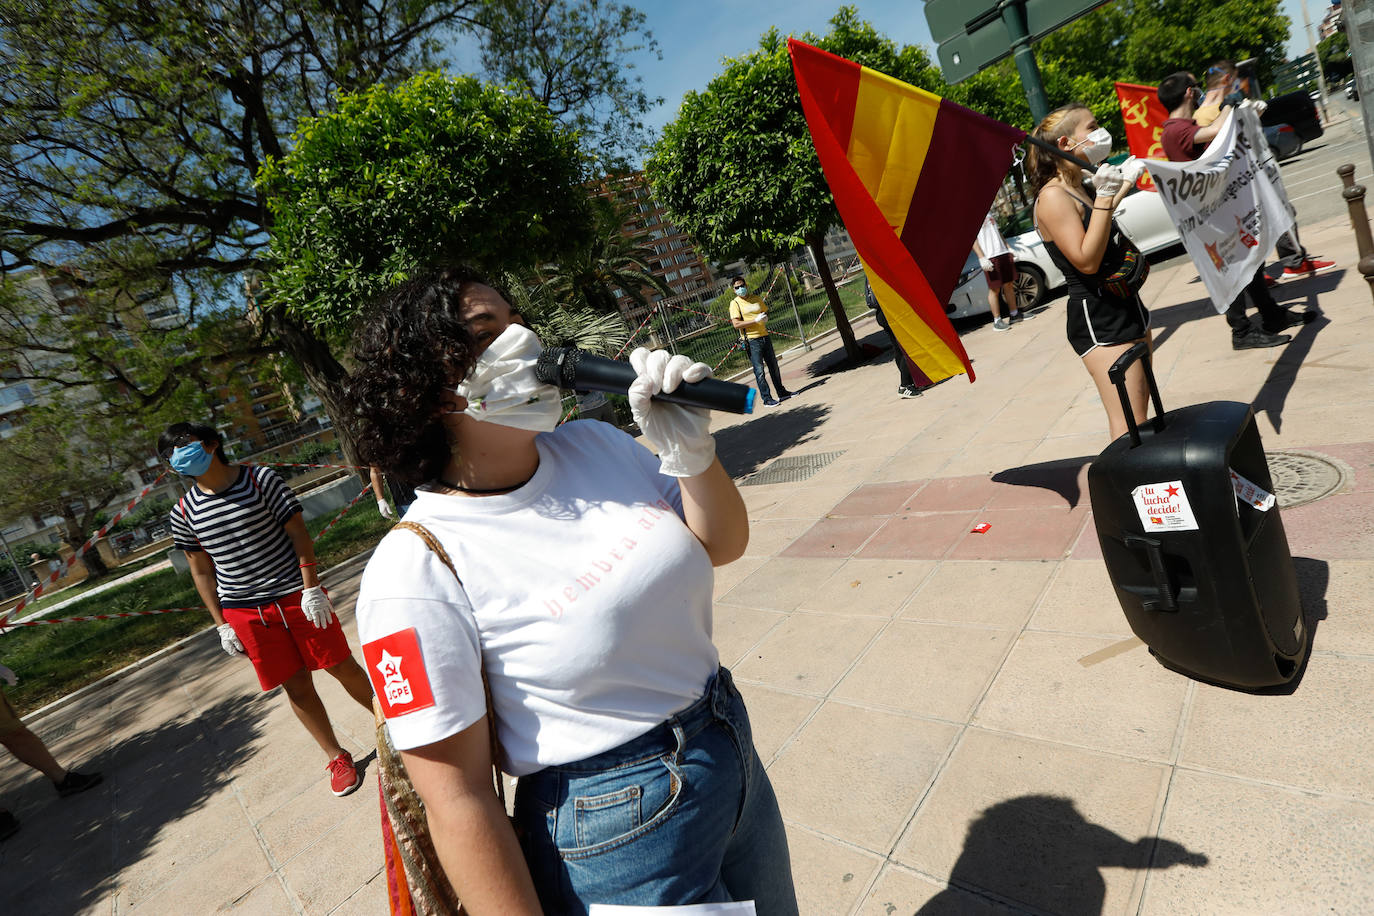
(986, 264)
(316, 607)
(1132, 169)
(8, 676)
(384, 507)
(229, 640)
(1258, 104)
(1108, 180)
(763, 316)
(686, 447)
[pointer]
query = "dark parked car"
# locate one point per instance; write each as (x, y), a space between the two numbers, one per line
(1296, 109)
(1283, 140)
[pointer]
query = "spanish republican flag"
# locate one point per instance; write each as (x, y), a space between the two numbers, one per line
(913, 176)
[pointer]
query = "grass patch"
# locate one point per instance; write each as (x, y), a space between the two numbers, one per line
(47, 599)
(53, 661)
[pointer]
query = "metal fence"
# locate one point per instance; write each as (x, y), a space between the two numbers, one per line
(697, 323)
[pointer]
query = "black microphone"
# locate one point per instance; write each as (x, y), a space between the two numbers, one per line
(578, 370)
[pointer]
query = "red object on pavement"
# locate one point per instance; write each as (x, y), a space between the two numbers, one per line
(981, 528)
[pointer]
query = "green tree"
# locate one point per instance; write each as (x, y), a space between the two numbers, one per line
(130, 134)
(737, 168)
(1334, 53)
(605, 260)
(394, 181)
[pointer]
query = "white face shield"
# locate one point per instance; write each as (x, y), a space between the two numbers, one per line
(502, 388)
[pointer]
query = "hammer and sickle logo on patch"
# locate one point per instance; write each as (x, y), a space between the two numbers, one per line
(1134, 114)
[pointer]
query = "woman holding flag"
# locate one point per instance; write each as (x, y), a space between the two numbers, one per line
(1082, 238)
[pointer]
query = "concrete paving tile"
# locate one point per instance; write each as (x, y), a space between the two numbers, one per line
(1360, 457)
(774, 716)
(767, 537)
(782, 583)
(1081, 419)
(876, 499)
(1081, 600)
(1317, 738)
(730, 575)
(870, 587)
(305, 818)
(1022, 534)
(828, 876)
(808, 652)
(907, 669)
(833, 537)
(853, 472)
(987, 460)
(1337, 594)
(230, 873)
(1128, 704)
(918, 536)
(1041, 824)
(1299, 425)
(354, 853)
(369, 900)
(987, 593)
(1054, 486)
(906, 891)
(735, 630)
(1088, 546)
(1338, 527)
(951, 494)
(1021, 420)
(912, 466)
(183, 839)
(269, 899)
(807, 502)
(855, 774)
(760, 497)
(1061, 447)
(1269, 850)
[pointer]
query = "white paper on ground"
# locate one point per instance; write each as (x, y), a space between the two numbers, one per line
(1164, 507)
(745, 908)
(1252, 494)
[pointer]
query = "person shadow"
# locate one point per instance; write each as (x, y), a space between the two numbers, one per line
(1038, 851)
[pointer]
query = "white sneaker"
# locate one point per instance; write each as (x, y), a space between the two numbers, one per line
(1001, 324)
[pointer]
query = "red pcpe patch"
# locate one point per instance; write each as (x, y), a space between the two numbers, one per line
(397, 670)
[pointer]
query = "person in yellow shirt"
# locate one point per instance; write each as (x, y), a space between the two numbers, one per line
(749, 315)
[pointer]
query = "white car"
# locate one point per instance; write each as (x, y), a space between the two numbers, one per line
(1141, 216)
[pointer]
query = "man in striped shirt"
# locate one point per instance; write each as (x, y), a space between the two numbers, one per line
(253, 565)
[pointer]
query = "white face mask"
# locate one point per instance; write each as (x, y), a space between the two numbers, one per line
(501, 388)
(1096, 145)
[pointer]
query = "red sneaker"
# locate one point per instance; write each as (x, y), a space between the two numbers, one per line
(343, 776)
(1270, 281)
(1309, 266)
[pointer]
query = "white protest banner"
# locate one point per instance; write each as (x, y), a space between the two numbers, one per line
(1229, 205)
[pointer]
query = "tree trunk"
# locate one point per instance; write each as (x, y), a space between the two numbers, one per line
(816, 243)
(95, 566)
(324, 373)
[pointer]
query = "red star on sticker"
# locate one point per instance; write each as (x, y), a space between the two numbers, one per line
(1172, 491)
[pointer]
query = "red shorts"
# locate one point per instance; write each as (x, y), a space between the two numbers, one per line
(280, 640)
(1003, 271)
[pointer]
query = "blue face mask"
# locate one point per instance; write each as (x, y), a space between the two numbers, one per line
(741, 291)
(191, 460)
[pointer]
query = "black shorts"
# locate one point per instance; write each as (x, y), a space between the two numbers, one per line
(1102, 322)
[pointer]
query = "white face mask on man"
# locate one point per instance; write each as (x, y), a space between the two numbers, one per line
(1096, 145)
(501, 388)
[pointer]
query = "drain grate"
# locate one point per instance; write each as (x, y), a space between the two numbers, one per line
(791, 469)
(1302, 477)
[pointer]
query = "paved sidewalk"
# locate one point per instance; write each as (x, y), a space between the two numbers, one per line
(942, 723)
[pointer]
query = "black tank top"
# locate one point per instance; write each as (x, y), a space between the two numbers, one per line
(1088, 286)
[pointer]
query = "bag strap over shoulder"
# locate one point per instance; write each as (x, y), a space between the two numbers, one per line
(438, 550)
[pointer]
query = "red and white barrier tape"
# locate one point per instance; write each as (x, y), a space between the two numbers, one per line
(6, 625)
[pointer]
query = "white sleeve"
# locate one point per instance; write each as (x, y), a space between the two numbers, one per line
(421, 646)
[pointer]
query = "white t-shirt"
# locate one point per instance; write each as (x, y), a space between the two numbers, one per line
(990, 240)
(587, 594)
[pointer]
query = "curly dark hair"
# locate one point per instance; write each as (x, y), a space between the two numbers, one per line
(410, 351)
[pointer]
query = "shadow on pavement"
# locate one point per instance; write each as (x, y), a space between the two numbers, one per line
(746, 447)
(1061, 476)
(1273, 393)
(1165, 321)
(1039, 851)
(1314, 576)
(69, 853)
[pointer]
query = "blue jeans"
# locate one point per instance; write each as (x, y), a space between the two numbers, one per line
(761, 354)
(684, 814)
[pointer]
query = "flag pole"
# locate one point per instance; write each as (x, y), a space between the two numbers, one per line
(1051, 148)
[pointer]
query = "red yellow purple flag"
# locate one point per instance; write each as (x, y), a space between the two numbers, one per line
(913, 176)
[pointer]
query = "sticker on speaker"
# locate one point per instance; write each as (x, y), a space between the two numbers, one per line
(1164, 507)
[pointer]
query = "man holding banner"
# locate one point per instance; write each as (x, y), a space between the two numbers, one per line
(1229, 206)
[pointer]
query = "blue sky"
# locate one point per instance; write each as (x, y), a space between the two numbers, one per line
(695, 35)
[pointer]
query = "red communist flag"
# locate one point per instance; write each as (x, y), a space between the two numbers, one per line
(913, 176)
(1144, 117)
